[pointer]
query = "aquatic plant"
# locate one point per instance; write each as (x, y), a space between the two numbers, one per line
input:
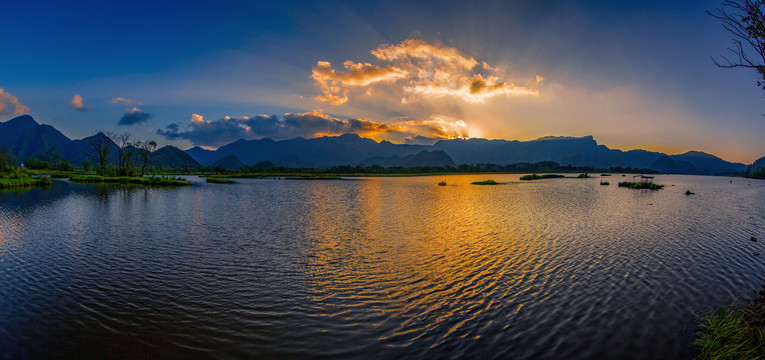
(583, 176)
(640, 185)
(442, 183)
(20, 178)
(485, 182)
(537, 177)
(214, 180)
(145, 180)
(733, 332)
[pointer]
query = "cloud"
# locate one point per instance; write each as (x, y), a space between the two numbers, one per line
(134, 116)
(18, 107)
(335, 85)
(417, 70)
(308, 125)
(125, 101)
(77, 104)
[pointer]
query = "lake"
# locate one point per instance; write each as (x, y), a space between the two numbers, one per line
(375, 267)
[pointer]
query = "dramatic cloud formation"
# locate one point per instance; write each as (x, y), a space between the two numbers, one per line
(77, 104)
(18, 108)
(311, 124)
(133, 116)
(421, 70)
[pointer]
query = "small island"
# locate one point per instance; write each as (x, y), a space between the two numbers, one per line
(22, 179)
(485, 182)
(640, 185)
(537, 177)
(214, 180)
(143, 180)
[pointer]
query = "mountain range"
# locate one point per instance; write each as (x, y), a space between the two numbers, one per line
(25, 138)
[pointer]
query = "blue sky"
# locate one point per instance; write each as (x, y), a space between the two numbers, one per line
(632, 74)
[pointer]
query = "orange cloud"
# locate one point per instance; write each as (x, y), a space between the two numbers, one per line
(76, 103)
(18, 107)
(310, 124)
(334, 84)
(426, 71)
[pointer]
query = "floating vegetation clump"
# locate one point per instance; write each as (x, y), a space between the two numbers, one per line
(214, 180)
(640, 185)
(442, 183)
(583, 176)
(485, 182)
(537, 177)
(605, 174)
(604, 183)
(146, 180)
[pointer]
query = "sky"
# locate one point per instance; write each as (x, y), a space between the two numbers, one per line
(633, 74)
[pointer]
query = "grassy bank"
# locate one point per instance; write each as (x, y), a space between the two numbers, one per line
(313, 177)
(538, 177)
(22, 179)
(733, 332)
(147, 180)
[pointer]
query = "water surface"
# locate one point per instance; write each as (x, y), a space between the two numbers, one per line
(374, 267)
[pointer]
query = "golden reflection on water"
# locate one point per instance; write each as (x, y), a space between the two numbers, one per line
(421, 252)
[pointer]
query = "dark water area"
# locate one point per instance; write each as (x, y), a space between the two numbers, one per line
(374, 268)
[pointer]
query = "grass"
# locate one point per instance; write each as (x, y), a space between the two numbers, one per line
(220, 181)
(146, 180)
(733, 332)
(537, 177)
(485, 182)
(22, 179)
(640, 185)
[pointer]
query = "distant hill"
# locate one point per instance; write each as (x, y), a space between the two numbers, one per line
(171, 156)
(350, 149)
(203, 156)
(24, 138)
(229, 162)
(708, 163)
(422, 158)
(12, 130)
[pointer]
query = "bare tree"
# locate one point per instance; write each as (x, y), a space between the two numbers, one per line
(745, 20)
(144, 151)
(125, 154)
(100, 146)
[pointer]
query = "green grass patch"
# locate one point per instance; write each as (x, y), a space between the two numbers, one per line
(22, 179)
(485, 182)
(146, 180)
(538, 177)
(730, 333)
(220, 181)
(640, 185)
